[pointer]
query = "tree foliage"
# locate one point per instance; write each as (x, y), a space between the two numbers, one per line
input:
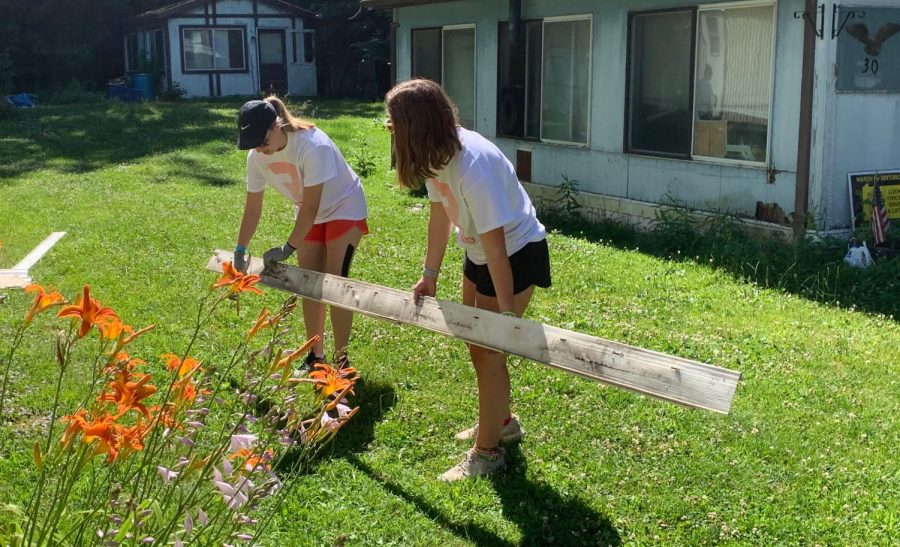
(352, 47)
(46, 45)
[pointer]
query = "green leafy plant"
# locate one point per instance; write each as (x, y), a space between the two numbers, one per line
(363, 158)
(75, 92)
(564, 205)
(173, 92)
(166, 456)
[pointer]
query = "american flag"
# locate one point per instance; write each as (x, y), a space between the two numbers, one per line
(880, 222)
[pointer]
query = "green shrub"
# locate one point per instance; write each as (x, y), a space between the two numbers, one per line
(75, 92)
(172, 93)
(6, 109)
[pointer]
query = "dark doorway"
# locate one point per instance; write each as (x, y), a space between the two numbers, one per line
(272, 62)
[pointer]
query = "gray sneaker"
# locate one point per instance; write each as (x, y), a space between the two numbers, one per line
(308, 364)
(511, 432)
(476, 463)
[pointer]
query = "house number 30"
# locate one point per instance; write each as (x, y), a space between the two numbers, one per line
(870, 65)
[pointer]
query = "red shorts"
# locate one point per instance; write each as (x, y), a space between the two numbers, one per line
(328, 231)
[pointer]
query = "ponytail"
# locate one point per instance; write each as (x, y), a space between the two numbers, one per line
(286, 120)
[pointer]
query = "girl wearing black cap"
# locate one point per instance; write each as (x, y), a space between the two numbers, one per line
(299, 160)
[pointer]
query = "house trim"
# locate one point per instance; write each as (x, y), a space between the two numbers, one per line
(375, 4)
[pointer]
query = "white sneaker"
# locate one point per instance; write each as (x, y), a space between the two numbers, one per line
(475, 463)
(511, 432)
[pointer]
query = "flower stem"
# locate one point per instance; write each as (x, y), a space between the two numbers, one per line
(16, 341)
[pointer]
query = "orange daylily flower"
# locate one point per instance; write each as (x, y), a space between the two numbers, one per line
(42, 301)
(165, 415)
(284, 364)
(112, 328)
(122, 340)
(128, 394)
(239, 282)
(107, 432)
(184, 391)
(89, 310)
(264, 320)
(76, 422)
(246, 284)
(251, 461)
(329, 380)
(133, 437)
(230, 274)
(122, 361)
(187, 366)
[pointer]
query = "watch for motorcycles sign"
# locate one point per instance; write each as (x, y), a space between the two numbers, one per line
(868, 56)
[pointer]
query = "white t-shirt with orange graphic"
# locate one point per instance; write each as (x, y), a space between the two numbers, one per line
(481, 192)
(310, 159)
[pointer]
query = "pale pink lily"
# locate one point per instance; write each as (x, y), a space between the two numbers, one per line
(167, 474)
(234, 496)
(330, 423)
(242, 441)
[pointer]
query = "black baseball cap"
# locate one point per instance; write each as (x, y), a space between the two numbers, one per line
(254, 121)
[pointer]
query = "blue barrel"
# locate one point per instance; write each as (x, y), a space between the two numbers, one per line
(144, 84)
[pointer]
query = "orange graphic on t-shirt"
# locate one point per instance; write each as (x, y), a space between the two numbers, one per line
(450, 205)
(295, 186)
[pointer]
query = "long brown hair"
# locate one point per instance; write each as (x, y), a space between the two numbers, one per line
(286, 120)
(424, 121)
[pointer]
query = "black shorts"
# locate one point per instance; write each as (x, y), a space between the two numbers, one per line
(530, 266)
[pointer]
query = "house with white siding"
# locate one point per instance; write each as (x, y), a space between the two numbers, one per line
(212, 48)
(758, 108)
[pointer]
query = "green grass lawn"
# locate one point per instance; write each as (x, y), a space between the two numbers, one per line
(808, 455)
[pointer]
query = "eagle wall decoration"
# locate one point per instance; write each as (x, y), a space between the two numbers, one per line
(872, 45)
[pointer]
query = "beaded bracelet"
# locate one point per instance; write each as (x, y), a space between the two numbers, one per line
(428, 272)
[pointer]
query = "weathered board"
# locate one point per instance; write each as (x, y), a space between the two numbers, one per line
(658, 375)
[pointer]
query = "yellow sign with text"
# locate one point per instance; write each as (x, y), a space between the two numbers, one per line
(862, 187)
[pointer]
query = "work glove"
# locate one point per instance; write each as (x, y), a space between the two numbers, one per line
(240, 262)
(278, 254)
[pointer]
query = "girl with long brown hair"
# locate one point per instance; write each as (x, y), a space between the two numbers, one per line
(474, 187)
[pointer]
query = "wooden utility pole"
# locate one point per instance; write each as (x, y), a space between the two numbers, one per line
(658, 375)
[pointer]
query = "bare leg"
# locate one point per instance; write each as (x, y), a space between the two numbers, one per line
(491, 371)
(337, 262)
(311, 255)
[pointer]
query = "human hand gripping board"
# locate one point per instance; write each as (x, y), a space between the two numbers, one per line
(658, 375)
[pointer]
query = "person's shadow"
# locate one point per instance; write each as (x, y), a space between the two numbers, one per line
(543, 516)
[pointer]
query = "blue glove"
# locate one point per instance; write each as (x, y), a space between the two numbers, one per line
(240, 262)
(279, 254)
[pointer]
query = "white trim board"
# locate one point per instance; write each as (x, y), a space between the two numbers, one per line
(13, 281)
(17, 277)
(666, 377)
(39, 251)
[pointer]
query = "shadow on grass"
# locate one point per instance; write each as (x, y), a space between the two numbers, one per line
(375, 399)
(545, 517)
(85, 138)
(89, 137)
(811, 270)
(542, 516)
